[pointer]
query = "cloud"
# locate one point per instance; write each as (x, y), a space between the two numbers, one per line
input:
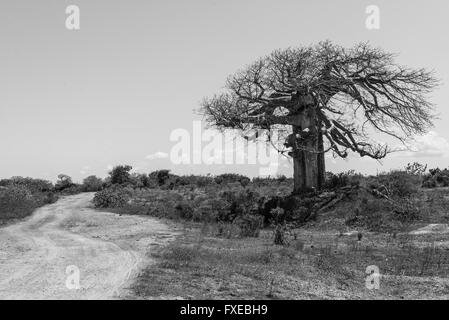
(428, 145)
(157, 155)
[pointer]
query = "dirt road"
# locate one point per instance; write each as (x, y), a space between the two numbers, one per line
(40, 258)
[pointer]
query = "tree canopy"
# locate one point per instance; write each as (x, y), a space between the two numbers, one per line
(347, 94)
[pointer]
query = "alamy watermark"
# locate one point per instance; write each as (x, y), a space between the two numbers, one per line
(372, 281)
(372, 21)
(72, 21)
(72, 281)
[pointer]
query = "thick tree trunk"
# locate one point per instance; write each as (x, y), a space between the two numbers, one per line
(308, 156)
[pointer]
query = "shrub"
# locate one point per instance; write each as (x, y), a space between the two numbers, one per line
(64, 182)
(436, 178)
(50, 197)
(430, 182)
(92, 184)
(232, 178)
(16, 202)
(406, 211)
(120, 174)
(342, 179)
(203, 181)
(249, 225)
(193, 180)
(139, 180)
(396, 183)
(111, 198)
(278, 215)
(381, 215)
(369, 213)
(161, 176)
(240, 203)
(184, 210)
(19, 197)
(220, 209)
(73, 189)
(34, 185)
(15, 193)
(227, 230)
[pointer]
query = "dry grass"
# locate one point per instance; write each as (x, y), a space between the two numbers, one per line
(317, 265)
(325, 259)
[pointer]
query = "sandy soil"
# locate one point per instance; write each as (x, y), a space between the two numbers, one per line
(108, 249)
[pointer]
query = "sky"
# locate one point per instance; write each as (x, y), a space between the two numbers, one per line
(113, 92)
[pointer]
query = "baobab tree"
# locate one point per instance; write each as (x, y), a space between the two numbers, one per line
(328, 99)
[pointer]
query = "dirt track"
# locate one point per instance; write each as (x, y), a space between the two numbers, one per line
(106, 248)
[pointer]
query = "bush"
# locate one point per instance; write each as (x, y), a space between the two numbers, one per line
(92, 184)
(249, 225)
(240, 203)
(436, 178)
(34, 185)
(73, 189)
(19, 197)
(232, 178)
(120, 174)
(406, 211)
(184, 210)
(16, 202)
(396, 184)
(369, 213)
(111, 198)
(381, 215)
(64, 182)
(160, 176)
(50, 197)
(342, 179)
(219, 210)
(15, 193)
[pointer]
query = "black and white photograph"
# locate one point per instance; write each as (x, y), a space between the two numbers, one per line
(204, 152)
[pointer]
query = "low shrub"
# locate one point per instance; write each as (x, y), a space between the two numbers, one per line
(232, 178)
(184, 210)
(73, 189)
(120, 175)
(342, 179)
(34, 185)
(250, 225)
(160, 176)
(92, 184)
(64, 182)
(396, 184)
(111, 198)
(436, 178)
(18, 201)
(381, 215)
(15, 193)
(139, 180)
(194, 181)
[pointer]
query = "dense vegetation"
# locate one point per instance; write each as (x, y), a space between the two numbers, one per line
(239, 206)
(19, 196)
